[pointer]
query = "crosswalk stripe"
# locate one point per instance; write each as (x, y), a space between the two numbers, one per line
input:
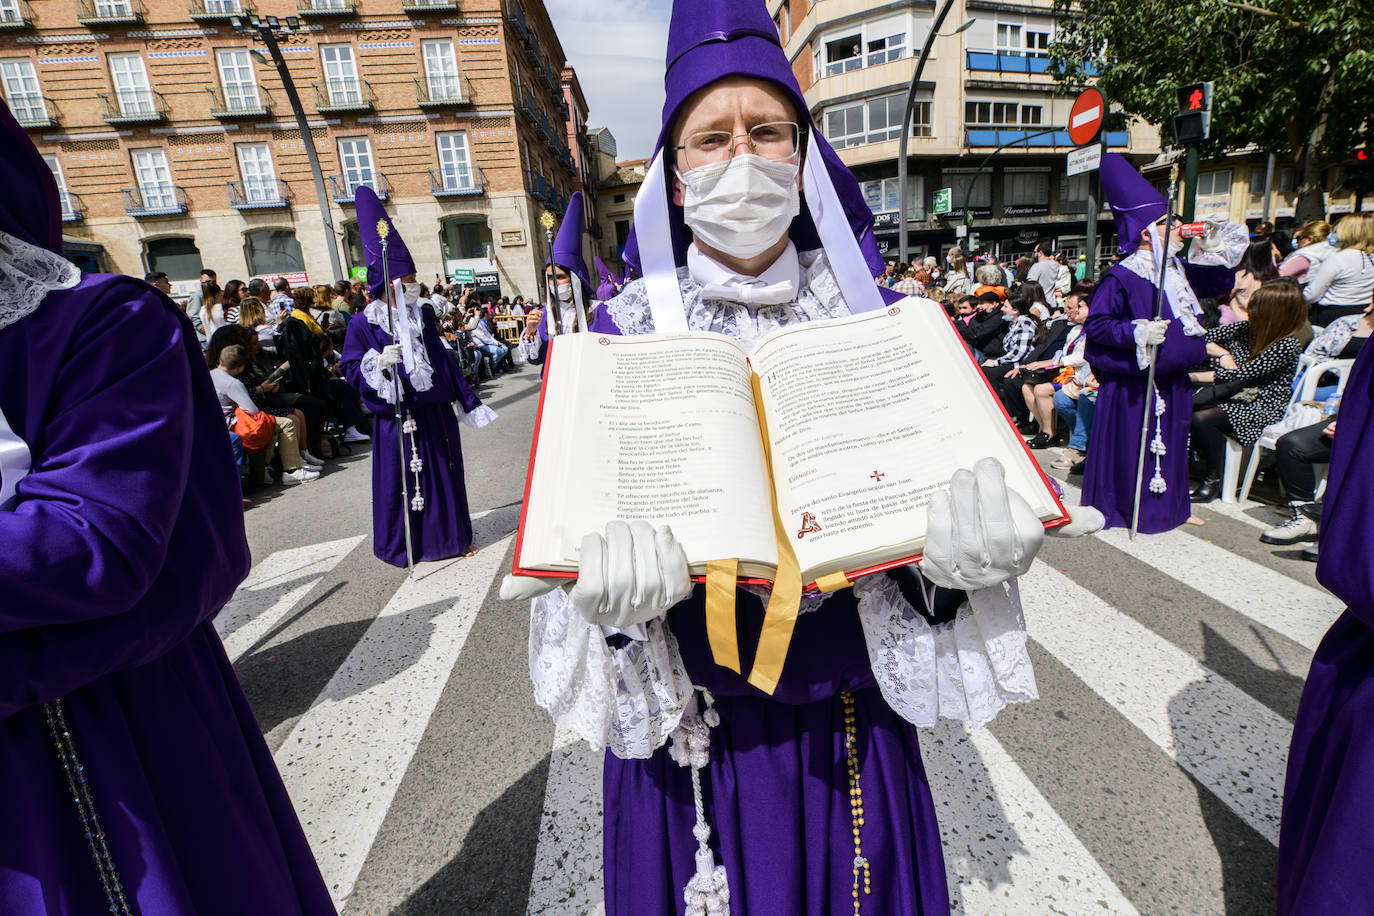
(1229, 741)
(1006, 849)
(566, 880)
(345, 759)
(273, 588)
(1279, 602)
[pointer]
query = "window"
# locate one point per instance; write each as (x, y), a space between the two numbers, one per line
(1008, 39)
(1025, 188)
(1073, 193)
(441, 69)
(1216, 184)
(889, 48)
(465, 239)
(178, 258)
(1038, 44)
(20, 82)
(131, 85)
(622, 233)
(957, 180)
(154, 179)
(355, 157)
(9, 11)
(111, 9)
(341, 75)
(272, 252)
(1031, 114)
(259, 179)
(881, 195)
(844, 54)
(223, 6)
(885, 118)
(844, 127)
(68, 211)
(875, 121)
(618, 199)
(240, 83)
(1283, 181)
(994, 114)
(455, 167)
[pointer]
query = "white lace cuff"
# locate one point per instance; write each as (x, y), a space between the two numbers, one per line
(372, 374)
(27, 274)
(1142, 352)
(969, 669)
(628, 700)
(1223, 247)
(476, 418)
(530, 347)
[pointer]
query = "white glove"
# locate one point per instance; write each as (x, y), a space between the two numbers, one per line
(1083, 520)
(391, 356)
(523, 588)
(635, 574)
(1155, 331)
(1212, 238)
(979, 533)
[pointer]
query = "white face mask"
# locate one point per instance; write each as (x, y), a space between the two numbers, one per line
(741, 206)
(411, 291)
(564, 292)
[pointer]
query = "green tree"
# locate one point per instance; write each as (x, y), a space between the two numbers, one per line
(1295, 78)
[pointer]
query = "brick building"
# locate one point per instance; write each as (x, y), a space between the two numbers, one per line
(175, 145)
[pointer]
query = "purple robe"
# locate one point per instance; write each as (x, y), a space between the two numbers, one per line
(443, 529)
(125, 539)
(777, 788)
(1109, 478)
(1326, 840)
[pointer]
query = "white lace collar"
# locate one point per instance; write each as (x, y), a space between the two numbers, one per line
(27, 274)
(785, 272)
(1177, 291)
(409, 334)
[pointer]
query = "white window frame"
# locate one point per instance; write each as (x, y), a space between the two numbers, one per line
(895, 45)
(989, 114)
(257, 171)
(957, 181)
(869, 131)
(340, 68)
(9, 11)
(23, 92)
(239, 94)
(133, 92)
(153, 175)
(63, 195)
(1025, 187)
(881, 195)
(440, 59)
(1037, 41)
(456, 171)
(109, 9)
(1009, 38)
(358, 173)
(1210, 179)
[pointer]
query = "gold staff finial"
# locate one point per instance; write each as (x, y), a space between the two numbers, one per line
(383, 228)
(547, 220)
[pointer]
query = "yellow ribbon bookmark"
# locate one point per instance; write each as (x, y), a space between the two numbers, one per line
(720, 613)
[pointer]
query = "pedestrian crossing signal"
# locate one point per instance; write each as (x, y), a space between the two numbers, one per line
(1194, 97)
(1193, 122)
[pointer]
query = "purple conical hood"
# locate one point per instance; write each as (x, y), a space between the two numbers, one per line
(1134, 201)
(29, 208)
(709, 40)
(370, 213)
(567, 245)
(609, 283)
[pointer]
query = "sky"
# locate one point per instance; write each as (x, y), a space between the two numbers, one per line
(617, 48)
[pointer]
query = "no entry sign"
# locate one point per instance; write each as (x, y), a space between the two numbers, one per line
(1086, 117)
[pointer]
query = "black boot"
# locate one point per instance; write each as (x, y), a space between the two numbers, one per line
(1208, 490)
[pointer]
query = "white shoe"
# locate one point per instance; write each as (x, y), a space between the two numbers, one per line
(311, 460)
(352, 435)
(303, 475)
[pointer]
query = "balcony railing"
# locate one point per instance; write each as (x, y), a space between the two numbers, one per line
(518, 25)
(1001, 136)
(456, 182)
(322, 8)
(160, 199)
(132, 106)
(237, 105)
(218, 10)
(539, 188)
(427, 6)
(342, 187)
(861, 60)
(532, 48)
(33, 110)
(72, 209)
(1006, 62)
(344, 94)
(440, 91)
(16, 16)
(109, 12)
(259, 194)
(526, 107)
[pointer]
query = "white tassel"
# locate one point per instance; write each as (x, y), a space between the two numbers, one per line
(708, 891)
(1157, 483)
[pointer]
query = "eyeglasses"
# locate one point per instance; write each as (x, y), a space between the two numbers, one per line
(773, 140)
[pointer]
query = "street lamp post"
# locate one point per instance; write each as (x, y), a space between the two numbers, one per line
(909, 112)
(265, 29)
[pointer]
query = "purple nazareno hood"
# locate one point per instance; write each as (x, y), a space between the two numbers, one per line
(1134, 201)
(371, 212)
(29, 209)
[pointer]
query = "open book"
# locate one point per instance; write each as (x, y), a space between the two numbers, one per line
(846, 426)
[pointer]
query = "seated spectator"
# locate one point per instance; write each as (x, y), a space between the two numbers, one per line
(301, 344)
(253, 315)
(1257, 267)
(1252, 387)
(1021, 338)
(964, 308)
(1210, 316)
(1310, 248)
(342, 301)
(985, 329)
(1296, 455)
(990, 279)
(1043, 379)
(1344, 337)
(486, 341)
(233, 360)
(1342, 284)
(908, 285)
(234, 290)
(957, 281)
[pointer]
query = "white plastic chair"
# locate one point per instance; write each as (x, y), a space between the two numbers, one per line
(1306, 391)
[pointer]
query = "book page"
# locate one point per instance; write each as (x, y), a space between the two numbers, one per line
(664, 430)
(868, 417)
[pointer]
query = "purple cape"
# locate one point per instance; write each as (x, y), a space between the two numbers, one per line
(1325, 840)
(443, 528)
(1109, 478)
(125, 540)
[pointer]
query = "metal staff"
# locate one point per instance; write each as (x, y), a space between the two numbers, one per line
(383, 231)
(1150, 393)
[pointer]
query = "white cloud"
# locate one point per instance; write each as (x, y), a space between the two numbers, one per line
(618, 50)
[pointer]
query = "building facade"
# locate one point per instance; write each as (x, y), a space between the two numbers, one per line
(175, 146)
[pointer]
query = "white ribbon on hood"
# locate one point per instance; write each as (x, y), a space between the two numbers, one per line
(409, 334)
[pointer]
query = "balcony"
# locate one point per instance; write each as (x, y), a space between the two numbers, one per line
(539, 188)
(1005, 62)
(33, 111)
(259, 194)
(342, 187)
(237, 105)
(518, 25)
(456, 182)
(319, 9)
(343, 94)
(16, 16)
(997, 136)
(429, 6)
(72, 209)
(132, 106)
(443, 91)
(158, 199)
(525, 105)
(109, 12)
(861, 60)
(218, 10)
(532, 48)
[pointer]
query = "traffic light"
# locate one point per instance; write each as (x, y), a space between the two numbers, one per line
(1357, 172)
(1193, 120)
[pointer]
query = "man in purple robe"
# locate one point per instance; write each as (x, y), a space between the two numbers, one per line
(1326, 839)
(135, 777)
(569, 287)
(413, 382)
(1123, 337)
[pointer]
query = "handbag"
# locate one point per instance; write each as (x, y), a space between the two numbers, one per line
(254, 429)
(1039, 376)
(1213, 393)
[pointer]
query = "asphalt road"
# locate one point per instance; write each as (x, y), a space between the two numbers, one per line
(1147, 779)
